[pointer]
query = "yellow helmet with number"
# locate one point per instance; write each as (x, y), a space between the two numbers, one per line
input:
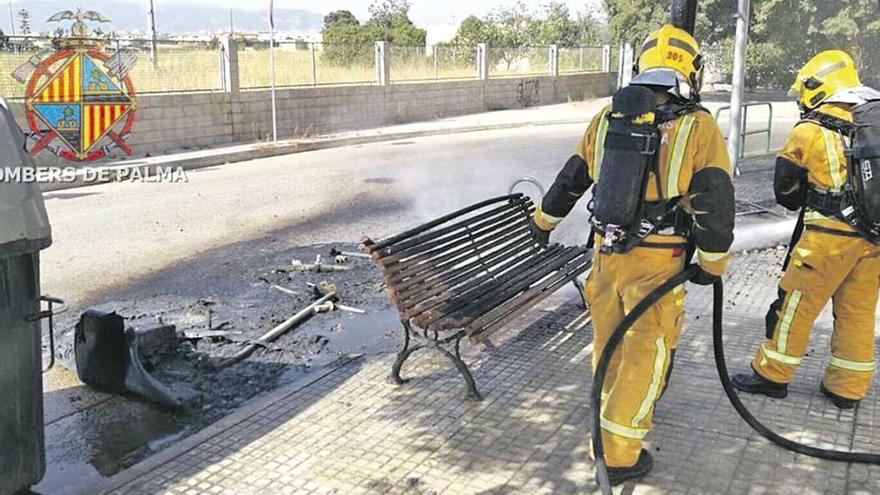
(670, 51)
(825, 75)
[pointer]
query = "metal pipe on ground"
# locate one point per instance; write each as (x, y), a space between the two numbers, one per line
(278, 331)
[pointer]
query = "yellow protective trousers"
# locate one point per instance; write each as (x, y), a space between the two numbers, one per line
(638, 369)
(845, 269)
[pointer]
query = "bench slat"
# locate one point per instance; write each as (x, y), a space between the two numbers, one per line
(469, 286)
(460, 311)
(521, 205)
(444, 243)
(440, 221)
(511, 309)
(445, 259)
(465, 316)
(450, 278)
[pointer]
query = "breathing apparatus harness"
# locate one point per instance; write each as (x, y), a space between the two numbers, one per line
(621, 215)
(857, 203)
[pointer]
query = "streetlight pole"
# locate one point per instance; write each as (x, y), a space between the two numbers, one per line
(11, 19)
(734, 136)
(153, 48)
(272, 70)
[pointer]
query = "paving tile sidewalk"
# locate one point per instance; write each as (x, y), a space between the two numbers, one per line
(351, 432)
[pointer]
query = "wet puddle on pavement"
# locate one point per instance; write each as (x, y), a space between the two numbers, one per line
(91, 435)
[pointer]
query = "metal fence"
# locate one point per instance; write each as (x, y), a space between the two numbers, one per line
(188, 66)
(518, 61)
(175, 66)
(581, 59)
(433, 62)
(305, 64)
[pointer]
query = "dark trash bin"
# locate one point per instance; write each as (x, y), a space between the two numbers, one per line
(24, 232)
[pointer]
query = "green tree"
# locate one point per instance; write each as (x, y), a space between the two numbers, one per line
(389, 21)
(787, 33)
(591, 31)
(386, 13)
(517, 30)
(339, 17)
(512, 32)
(347, 44)
(351, 43)
(556, 26)
(473, 30)
(632, 20)
(855, 28)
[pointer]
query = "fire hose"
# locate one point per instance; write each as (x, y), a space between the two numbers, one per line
(614, 342)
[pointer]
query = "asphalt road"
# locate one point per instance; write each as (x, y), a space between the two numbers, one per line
(108, 236)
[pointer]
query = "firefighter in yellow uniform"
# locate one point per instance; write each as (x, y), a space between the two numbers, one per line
(831, 260)
(693, 206)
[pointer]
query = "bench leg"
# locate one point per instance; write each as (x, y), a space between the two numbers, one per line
(471, 385)
(408, 349)
(403, 355)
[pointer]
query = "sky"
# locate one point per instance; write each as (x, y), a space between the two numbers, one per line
(440, 17)
(424, 12)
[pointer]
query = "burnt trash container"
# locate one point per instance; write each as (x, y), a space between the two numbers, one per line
(24, 232)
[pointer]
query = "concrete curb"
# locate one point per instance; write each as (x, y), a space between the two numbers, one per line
(210, 158)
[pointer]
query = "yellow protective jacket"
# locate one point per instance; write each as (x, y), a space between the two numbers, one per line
(694, 167)
(813, 156)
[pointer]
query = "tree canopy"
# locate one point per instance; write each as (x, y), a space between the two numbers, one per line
(784, 33)
(510, 31)
(339, 18)
(347, 41)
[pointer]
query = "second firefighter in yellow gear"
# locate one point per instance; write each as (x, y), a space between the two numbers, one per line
(831, 261)
(694, 177)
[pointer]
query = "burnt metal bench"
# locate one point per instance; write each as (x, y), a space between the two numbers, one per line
(468, 274)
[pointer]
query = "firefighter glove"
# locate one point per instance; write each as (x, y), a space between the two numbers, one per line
(541, 236)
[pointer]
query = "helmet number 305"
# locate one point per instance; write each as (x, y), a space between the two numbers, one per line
(677, 57)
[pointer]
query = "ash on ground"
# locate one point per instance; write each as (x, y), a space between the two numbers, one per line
(227, 299)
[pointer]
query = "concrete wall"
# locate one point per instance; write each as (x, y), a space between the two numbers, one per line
(181, 122)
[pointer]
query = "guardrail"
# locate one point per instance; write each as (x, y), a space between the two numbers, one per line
(745, 132)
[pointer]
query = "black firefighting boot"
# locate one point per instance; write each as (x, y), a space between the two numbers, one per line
(618, 475)
(840, 402)
(756, 384)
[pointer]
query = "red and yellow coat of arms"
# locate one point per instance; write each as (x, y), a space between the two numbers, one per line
(80, 101)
